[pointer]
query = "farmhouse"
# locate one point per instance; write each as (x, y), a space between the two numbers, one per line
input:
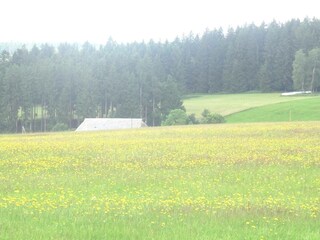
(101, 124)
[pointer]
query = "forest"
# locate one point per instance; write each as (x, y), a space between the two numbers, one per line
(46, 85)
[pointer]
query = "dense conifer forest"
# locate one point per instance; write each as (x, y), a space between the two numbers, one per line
(45, 85)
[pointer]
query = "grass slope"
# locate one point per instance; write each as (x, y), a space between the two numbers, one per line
(248, 181)
(298, 110)
(226, 104)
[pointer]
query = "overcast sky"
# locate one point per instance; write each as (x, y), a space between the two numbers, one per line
(136, 20)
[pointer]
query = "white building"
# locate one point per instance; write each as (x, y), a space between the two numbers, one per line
(102, 124)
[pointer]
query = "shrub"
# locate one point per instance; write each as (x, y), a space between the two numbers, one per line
(176, 117)
(192, 119)
(209, 118)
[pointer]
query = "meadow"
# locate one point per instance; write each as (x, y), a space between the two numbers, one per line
(248, 181)
(299, 110)
(226, 104)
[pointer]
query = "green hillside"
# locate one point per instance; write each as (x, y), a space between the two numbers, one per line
(227, 104)
(298, 110)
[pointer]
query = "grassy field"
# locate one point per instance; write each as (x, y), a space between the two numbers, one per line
(248, 181)
(226, 104)
(299, 110)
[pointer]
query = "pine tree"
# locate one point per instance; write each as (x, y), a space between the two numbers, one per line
(299, 70)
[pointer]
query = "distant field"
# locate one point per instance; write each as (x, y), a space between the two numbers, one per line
(226, 104)
(229, 181)
(298, 110)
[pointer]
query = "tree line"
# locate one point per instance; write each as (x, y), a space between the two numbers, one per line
(47, 85)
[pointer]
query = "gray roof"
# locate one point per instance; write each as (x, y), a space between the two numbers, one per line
(100, 124)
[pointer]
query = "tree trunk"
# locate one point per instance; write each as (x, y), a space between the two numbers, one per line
(312, 81)
(42, 117)
(45, 119)
(153, 109)
(140, 101)
(111, 109)
(106, 107)
(32, 120)
(70, 114)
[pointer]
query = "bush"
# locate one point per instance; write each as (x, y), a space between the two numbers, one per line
(59, 127)
(192, 119)
(176, 117)
(210, 118)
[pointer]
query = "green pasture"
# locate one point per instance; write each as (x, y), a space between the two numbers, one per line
(298, 110)
(226, 104)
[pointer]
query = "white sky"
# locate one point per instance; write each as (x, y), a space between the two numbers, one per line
(136, 20)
